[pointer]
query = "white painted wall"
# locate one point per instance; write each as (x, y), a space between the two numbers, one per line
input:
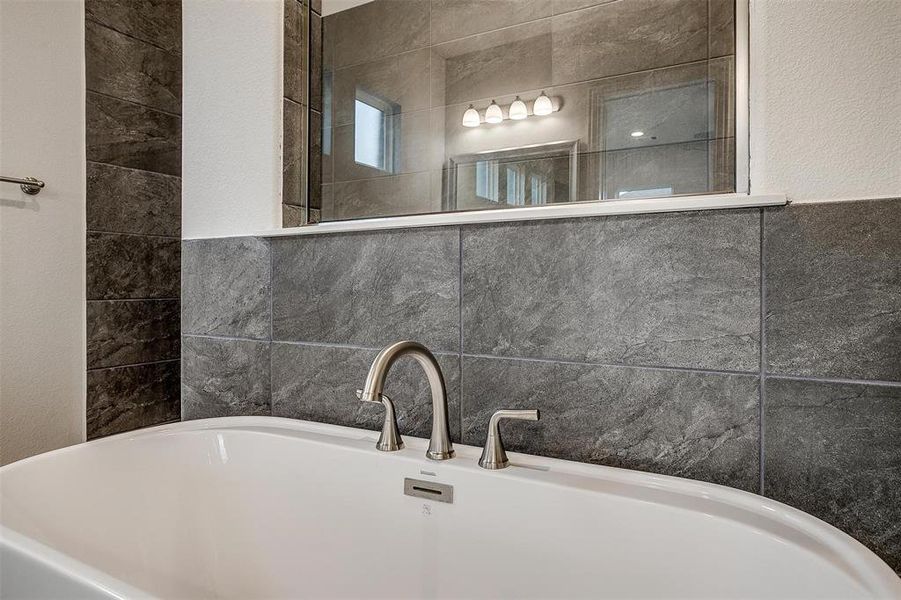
(42, 238)
(232, 117)
(826, 98)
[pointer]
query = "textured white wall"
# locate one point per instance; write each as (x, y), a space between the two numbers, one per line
(232, 117)
(42, 238)
(826, 98)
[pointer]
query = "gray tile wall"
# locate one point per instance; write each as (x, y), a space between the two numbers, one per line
(755, 349)
(133, 146)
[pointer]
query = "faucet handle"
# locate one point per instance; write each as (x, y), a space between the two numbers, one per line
(390, 439)
(493, 455)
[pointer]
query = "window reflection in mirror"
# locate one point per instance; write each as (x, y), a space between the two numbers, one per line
(598, 101)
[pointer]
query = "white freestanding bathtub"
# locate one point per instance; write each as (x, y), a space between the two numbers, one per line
(262, 507)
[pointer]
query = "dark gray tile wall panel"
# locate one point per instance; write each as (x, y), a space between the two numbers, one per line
(130, 135)
(125, 332)
(675, 290)
(155, 21)
(121, 66)
(293, 216)
(315, 174)
(834, 450)
(294, 141)
(130, 201)
(318, 383)
(368, 289)
(131, 266)
(295, 51)
(624, 37)
(697, 425)
(225, 287)
(222, 378)
(315, 62)
(721, 20)
(833, 290)
(126, 398)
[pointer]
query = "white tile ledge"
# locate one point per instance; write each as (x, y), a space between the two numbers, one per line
(529, 213)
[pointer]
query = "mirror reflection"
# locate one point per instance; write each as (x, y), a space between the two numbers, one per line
(449, 105)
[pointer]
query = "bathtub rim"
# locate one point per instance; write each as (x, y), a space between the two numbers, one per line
(843, 551)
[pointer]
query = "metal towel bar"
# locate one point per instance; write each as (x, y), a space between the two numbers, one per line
(29, 185)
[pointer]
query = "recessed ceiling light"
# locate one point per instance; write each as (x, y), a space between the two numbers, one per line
(637, 133)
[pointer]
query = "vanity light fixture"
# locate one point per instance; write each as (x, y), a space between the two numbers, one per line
(471, 117)
(494, 114)
(518, 110)
(543, 105)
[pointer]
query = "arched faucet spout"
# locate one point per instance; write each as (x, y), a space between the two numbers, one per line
(440, 446)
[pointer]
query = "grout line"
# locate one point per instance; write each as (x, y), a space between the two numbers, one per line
(169, 298)
(873, 382)
(137, 39)
(761, 393)
(132, 102)
(222, 337)
(106, 164)
(141, 364)
(150, 235)
(614, 365)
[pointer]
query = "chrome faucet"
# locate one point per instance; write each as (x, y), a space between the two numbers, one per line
(440, 447)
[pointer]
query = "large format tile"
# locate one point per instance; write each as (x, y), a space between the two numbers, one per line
(121, 66)
(833, 290)
(131, 135)
(225, 287)
(155, 21)
(627, 36)
(127, 398)
(378, 29)
(451, 19)
(121, 200)
(721, 20)
(293, 216)
(500, 62)
(124, 332)
(295, 50)
(393, 195)
(696, 425)
(676, 289)
(315, 62)
(368, 289)
(318, 383)
(224, 378)
(131, 266)
(293, 154)
(314, 186)
(834, 450)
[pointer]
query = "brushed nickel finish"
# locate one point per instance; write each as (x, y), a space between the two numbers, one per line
(29, 185)
(493, 455)
(440, 447)
(430, 490)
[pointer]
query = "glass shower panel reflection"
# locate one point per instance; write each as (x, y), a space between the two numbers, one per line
(647, 113)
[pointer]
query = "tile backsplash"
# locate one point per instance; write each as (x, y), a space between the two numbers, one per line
(752, 348)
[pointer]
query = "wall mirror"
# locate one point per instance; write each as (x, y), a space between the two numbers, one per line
(427, 106)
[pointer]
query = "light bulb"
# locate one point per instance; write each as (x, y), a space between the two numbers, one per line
(518, 110)
(637, 134)
(493, 114)
(543, 105)
(471, 117)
